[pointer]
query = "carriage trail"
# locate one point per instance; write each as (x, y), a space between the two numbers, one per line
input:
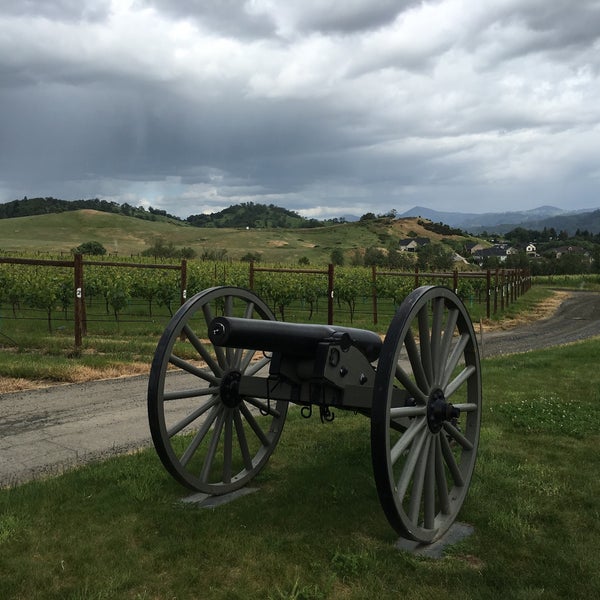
(45, 431)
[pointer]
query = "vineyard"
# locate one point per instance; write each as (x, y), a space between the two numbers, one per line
(118, 298)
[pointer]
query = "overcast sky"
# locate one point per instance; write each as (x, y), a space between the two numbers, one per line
(324, 107)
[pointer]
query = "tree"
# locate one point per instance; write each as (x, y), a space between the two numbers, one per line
(337, 257)
(94, 248)
(368, 217)
(435, 257)
(251, 257)
(571, 263)
(187, 252)
(375, 256)
(401, 261)
(357, 259)
(162, 249)
(517, 261)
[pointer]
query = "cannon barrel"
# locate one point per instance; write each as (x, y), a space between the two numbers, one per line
(289, 338)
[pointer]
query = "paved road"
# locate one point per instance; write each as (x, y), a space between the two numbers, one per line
(44, 431)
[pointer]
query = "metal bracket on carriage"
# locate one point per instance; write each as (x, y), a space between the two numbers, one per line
(325, 413)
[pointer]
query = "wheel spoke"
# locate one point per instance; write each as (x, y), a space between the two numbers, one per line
(192, 370)
(411, 463)
(243, 442)
(249, 310)
(457, 436)
(404, 442)
(227, 447)
(448, 335)
(451, 462)
(425, 343)
(415, 362)
(228, 311)
(454, 359)
(230, 353)
(440, 478)
(194, 393)
(202, 351)
(175, 429)
(212, 447)
(458, 381)
(436, 332)
(416, 493)
(429, 487)
(257, 366)
(407, 411)
(244, 360)
(260, 434)
(410, 386)
(200, 435)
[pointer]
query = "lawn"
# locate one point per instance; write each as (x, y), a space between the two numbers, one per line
(315, 530)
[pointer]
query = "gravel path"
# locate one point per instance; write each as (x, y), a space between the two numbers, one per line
(46, 430)
(577, 318)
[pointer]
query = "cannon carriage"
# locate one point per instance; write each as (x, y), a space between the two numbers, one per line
(225, 372)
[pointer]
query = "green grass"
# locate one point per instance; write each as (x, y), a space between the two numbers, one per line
(572, 282)
(315, 529)
(125, 236)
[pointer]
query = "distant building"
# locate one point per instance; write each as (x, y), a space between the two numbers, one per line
(499, 251)
(558, 252)
(412, 244)
(473, 247)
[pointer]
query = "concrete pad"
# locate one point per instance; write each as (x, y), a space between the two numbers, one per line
(208, 501)
(456, 533)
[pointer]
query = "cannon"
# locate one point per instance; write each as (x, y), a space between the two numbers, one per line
(225, 371)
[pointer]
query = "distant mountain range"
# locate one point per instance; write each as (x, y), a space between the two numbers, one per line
(501, 222)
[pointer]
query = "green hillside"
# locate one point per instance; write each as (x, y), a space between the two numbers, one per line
(127, 236)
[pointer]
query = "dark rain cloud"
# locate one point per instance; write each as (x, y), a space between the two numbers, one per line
(70, 10)
(191, 105)
(228, 17)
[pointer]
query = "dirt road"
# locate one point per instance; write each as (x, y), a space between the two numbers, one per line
(46, 430)
(577, 318)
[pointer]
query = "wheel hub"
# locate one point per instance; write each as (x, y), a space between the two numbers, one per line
(229, 389)
(438, 411)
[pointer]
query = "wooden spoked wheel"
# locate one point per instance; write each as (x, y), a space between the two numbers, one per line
(209, 439)
(426, 414)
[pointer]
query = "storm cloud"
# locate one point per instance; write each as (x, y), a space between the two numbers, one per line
(326, 108)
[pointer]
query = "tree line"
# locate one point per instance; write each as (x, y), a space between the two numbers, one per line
(28, 207)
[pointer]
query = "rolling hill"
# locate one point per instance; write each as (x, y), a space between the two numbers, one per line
(127, 236)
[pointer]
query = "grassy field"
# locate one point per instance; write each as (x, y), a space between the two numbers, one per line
(315, 530)
(127, 236)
